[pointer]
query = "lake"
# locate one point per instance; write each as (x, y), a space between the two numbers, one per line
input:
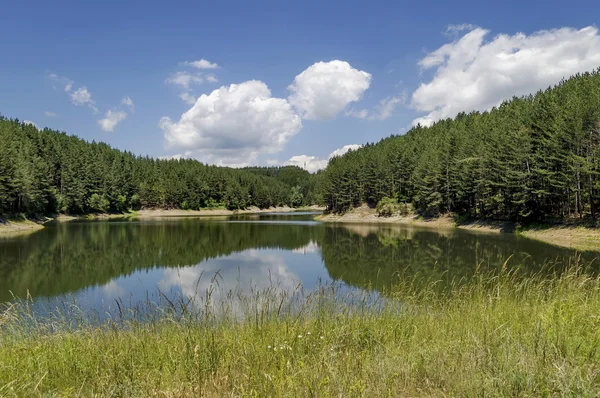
(98, 264)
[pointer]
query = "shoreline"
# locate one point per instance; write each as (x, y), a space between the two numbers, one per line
(563, 235)
(12, 228)
(147, 214)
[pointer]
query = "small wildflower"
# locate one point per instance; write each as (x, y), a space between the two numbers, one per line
(299, 336)
(308, 333)
(322, 337)
(269, 347)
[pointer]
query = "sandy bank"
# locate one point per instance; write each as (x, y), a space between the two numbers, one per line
(366, 215)
(15, 228)
(215, 212)
(580, 238)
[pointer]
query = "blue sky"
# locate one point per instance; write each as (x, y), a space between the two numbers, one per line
(397, 63)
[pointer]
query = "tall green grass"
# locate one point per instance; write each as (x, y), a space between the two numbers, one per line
(497, 335)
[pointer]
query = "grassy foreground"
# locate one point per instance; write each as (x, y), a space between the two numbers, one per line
(495, 336)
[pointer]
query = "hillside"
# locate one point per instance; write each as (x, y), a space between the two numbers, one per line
(531, 158)
(49, 172)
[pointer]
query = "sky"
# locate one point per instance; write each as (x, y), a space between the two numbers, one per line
(241, 83)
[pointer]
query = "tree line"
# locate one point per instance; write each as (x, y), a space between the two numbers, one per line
(531, 158)
(49, 172)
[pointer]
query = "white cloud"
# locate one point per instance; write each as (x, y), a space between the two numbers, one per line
(62, 80)
(474, 74)
(111, 119)
(82, 96)
(177, 156)
(184, 79)
(386, 107)
(453, 30)
(30, 122)
(343, 150)
(359, 114)
(382, 111)
(202, 64)
(187, 97)
(309, 163)
(324, 89)
(233, 125)
(128, 102)
(313, 163)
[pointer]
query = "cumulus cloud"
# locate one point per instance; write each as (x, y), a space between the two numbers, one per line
(111, 119)
(202, 64)
(128, 102)
(233, 125)
(324, 89)
(50, 114)
(474, 74)
(313, 163)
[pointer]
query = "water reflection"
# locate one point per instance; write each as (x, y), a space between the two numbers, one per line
(100, 263)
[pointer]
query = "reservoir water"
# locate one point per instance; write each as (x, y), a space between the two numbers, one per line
(98, 264)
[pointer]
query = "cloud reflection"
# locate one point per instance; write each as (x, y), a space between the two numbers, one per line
(230, 279)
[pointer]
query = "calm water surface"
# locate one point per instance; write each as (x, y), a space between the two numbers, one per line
(95, 263)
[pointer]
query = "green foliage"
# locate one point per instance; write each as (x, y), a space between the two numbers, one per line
(387, 207)
(98, 203)
(296, 196)
(528, 159)
(45, 171)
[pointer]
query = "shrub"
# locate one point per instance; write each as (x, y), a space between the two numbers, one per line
(98, 203)
(387, 207)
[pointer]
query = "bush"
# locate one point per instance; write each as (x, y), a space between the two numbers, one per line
(135, 202)
(387, 207)
(99, 203)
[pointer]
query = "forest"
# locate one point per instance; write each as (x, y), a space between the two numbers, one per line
(49, 172)
(532, 158)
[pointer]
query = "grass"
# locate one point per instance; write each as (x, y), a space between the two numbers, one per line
(493, 336)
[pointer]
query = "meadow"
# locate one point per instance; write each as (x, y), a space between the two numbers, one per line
(493, 335)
